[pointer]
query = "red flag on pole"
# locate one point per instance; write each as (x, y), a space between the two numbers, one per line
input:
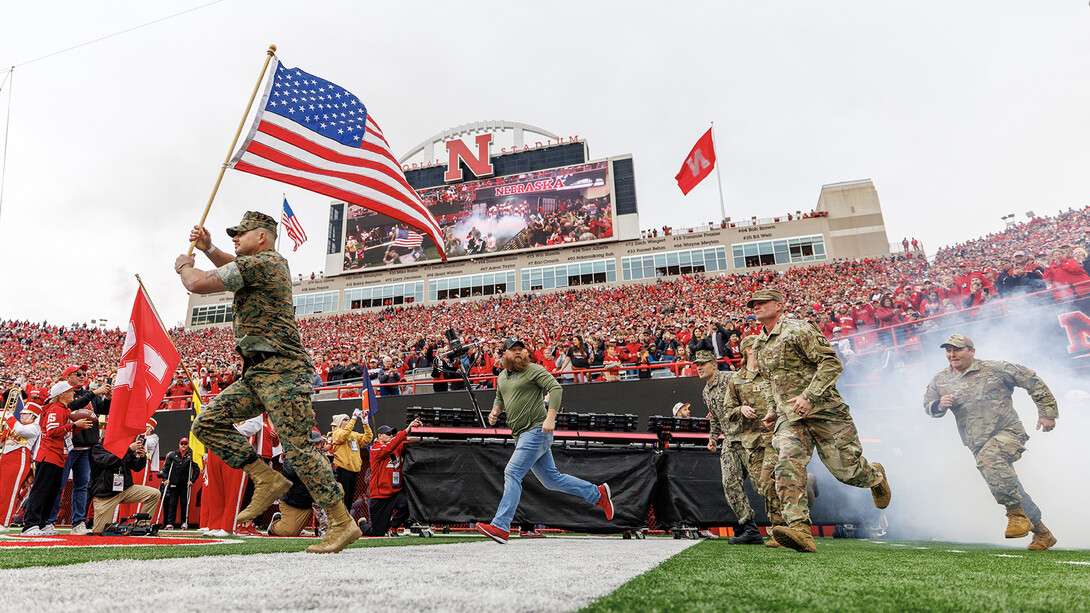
(698, 165)
(148, 360)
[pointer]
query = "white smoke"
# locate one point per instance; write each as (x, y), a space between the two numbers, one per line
(937, 491)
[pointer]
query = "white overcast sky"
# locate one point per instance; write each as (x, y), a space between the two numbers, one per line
(960, 112)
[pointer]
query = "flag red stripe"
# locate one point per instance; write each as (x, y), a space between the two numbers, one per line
(274, 155)
(325, 153)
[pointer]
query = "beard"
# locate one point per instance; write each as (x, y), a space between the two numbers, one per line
(516, 364)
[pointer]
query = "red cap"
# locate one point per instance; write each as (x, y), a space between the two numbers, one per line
(72, 369)
(152, 422)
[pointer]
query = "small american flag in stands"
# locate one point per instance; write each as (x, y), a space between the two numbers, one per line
(407, 238)
(293, 227)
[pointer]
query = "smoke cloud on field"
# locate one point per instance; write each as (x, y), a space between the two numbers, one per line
(937, 491)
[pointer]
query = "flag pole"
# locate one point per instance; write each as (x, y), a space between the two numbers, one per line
(227, 160)
(285, 199)
(718, 177)
(185, 367)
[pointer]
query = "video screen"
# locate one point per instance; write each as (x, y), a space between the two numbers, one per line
(547, 208)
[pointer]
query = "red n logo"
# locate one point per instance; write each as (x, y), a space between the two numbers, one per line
(1077, 326)
(480, 165)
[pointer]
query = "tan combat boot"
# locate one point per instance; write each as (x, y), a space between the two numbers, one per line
(772, 542)
(268, 486)
(342, 531)
(795, 537)
(1018, 525)
(881, 492)
(1042, 538)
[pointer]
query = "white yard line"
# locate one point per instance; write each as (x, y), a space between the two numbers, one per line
(551, 574)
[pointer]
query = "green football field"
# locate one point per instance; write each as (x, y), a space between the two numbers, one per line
(845, 575)
(859, 575)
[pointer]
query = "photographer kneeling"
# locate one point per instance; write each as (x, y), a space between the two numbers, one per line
(111, 483)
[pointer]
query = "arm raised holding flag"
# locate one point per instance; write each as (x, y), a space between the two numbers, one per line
(276, 374)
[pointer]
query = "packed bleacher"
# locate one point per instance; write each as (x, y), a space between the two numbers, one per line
(873, 301)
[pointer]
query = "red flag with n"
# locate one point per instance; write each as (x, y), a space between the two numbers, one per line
(148, 359)
(698, 164)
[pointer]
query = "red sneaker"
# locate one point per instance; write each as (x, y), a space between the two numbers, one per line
(500, 536)
(605, 502)
(531, 534)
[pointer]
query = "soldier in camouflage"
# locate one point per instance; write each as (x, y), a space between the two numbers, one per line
(749, 399)
(801, 368)
(978, 392)
(732, 457)
(276, 377)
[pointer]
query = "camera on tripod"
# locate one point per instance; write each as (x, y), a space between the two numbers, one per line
(455, 347)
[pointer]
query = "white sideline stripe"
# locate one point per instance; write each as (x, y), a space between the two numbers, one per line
(1073, 562)
(1005, 555)
(954, 551)
(550, 574)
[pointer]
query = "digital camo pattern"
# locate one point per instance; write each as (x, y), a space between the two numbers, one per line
(839, 449)
(264, 316)
(988, 423)
(762, 471)
(281, 388)
(748, 388)
(715, 394)
(982, 399)
(733, 459)
(796, 359)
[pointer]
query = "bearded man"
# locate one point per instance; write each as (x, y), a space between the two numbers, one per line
(521, 389)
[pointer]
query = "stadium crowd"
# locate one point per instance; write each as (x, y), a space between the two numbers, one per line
(873, 300)
(590, 333)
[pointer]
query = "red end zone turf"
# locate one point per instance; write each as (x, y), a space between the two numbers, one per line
(68, 540)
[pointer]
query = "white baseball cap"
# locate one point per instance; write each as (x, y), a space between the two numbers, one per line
(59, 388)
(679, 406)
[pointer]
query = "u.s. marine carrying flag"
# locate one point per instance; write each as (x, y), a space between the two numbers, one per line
(317, 135)
(148, 359)
(698, 165)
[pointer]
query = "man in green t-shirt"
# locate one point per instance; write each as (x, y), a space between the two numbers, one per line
(276, 374)
(520, 390)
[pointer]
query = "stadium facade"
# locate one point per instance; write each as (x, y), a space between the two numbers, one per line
(539, 215)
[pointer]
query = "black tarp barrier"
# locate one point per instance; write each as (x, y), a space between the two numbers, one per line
(690, 491)
(461, 482)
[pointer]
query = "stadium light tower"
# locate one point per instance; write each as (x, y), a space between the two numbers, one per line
(1008, 219)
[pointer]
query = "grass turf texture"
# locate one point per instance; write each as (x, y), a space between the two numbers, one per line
(18, 558)
(855, 575)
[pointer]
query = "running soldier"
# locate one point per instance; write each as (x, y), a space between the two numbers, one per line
(802, 368)
(748, 400)
(732, 458)
(276, 376)
(978, 392)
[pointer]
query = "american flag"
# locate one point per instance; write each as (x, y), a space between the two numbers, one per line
(319, 136)
(407, 238)
(294, 228)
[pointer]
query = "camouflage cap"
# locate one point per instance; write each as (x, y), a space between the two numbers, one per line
(957, 341)
(762, 295)
(252, 220)
(703, 356)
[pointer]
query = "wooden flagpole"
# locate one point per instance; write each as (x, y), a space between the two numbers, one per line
(231, 150)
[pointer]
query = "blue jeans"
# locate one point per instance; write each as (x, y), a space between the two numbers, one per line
(533, 451)
(79, 462)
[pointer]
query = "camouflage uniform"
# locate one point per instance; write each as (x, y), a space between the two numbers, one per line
(796, 359)
(988, 424)
(748, 388)
(277, 379)
(732, 456)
